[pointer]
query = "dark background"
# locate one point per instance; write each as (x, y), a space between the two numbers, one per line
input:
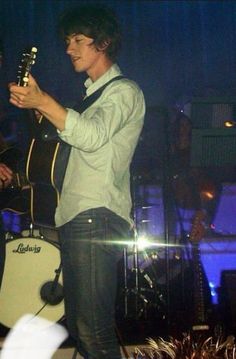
(173, 49)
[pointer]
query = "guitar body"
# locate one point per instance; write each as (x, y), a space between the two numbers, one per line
(45, 169)
(11, 157)
(41, 176)
(15, 197)
(41, 161)
(15, 200)
(43, 204)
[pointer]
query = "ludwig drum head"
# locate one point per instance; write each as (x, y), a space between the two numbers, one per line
(31, 264)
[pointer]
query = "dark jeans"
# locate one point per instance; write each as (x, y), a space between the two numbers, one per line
(90, 250)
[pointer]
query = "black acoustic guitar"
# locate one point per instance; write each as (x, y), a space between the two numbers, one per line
(44, 174)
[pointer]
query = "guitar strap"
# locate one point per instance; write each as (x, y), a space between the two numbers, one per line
(88, 101)
(64, 148)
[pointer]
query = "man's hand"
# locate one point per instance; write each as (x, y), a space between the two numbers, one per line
(33, 97)
(26, 97)
(6, 175)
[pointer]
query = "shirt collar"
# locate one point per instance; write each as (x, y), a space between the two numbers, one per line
(91, 86)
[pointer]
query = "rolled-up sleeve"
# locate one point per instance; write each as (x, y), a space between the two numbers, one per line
(98, 124)
(71, 121)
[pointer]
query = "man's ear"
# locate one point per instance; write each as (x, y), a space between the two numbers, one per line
(104, 45)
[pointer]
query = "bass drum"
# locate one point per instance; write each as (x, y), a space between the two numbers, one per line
(32, 281)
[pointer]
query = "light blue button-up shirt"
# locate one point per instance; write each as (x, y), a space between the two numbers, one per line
(103, 140)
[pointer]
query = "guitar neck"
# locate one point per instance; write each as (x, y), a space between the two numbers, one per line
(28, 59)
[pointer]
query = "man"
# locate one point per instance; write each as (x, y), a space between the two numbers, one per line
(93, 214)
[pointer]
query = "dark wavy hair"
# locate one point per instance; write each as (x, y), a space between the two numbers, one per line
(94, 21)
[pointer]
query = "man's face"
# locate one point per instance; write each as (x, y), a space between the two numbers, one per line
(83, 53)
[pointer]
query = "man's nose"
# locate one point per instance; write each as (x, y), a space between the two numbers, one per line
(69, 49)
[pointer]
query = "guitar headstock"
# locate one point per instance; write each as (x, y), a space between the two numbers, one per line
(27, 61)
